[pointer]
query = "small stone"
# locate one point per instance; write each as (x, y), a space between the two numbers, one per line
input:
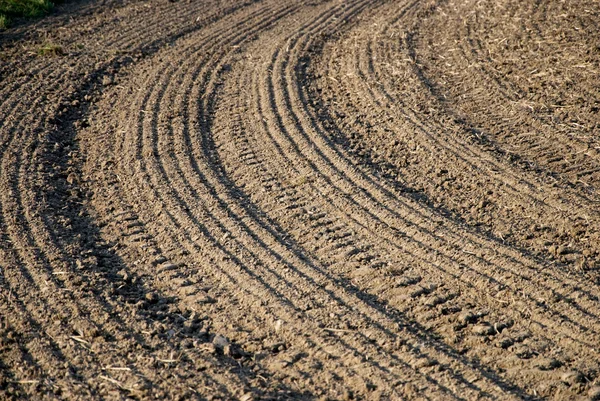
(278, 325)
(522, 351)
(348, 395)
(220, 341)
(484, 330)
(168, 266)
(277, 347)
(160, 259)
(72, 178)
(500, 326)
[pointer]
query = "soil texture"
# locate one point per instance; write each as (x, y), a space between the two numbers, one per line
(312, 200)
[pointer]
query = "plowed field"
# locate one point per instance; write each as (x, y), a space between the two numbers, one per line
(256, 200)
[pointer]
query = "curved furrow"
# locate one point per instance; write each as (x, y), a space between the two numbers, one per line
(559, 276)
(40, 346)
(517, 189)
(150, 102)
(256, 199)
(576, 143)
(169, 205)
(122, 39)
(187, 20)
(575, 288)
(546, 320)
(449, 235)
(31, 249)
(479, 59)
(294, 206)
(172, 206)
(583, 212)
(395, 100)
(13, 108)
(282, 146)
(276, 284)
(269, 184)
(267, 69)
(12, 170)
(33, 236)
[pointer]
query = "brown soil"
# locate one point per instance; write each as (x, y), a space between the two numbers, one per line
(265, 199)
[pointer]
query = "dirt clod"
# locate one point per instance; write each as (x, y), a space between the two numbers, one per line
(484, 330)
(594, 393)
(547, 363)
(572, 377)
(220, 341)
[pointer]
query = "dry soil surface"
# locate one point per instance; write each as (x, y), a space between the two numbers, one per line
(256, 200)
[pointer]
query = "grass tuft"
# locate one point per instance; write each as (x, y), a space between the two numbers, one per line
(22, 8)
